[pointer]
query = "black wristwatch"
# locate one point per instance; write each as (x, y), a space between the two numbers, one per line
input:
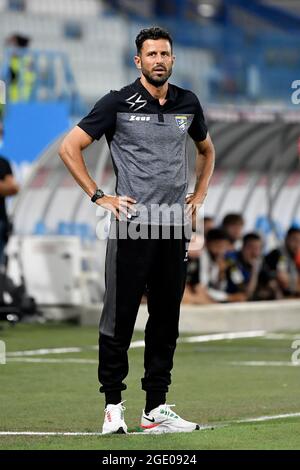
(97, 195)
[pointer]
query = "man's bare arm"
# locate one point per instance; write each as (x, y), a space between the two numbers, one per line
(205, 161)
(9, 186)
(70, 152)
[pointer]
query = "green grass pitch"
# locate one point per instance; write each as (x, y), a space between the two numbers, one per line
(209, 386)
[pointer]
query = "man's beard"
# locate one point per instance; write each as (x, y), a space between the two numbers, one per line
(159, 81)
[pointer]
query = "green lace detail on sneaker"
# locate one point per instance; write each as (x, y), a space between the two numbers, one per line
(167, 412)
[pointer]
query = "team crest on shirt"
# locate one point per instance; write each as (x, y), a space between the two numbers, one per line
(181, 122)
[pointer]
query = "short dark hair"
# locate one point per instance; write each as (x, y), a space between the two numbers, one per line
(215, 234)
(155, 32)
(293, 229)
(250, 237)
(232, 219)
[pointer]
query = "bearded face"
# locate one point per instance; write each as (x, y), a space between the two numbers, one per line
(155, 61)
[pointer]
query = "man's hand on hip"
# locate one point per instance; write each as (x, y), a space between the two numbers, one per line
(118, 205)
(194, 201)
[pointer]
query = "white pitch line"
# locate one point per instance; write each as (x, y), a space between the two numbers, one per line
(94, 361)
(222, 336)
(265, 363)
(282, 336)
(52, 361)
(141, 343)
(29, 433)
(269, 418)
(137, 344)
(204, 427)
(41, 352)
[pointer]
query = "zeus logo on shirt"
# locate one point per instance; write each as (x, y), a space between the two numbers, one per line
(139, 118)
(136, 102)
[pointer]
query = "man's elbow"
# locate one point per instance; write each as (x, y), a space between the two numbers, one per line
(68, 150)
(13, 189)
(62, 151)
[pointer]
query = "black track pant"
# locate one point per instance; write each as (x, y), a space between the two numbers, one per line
(133, 266)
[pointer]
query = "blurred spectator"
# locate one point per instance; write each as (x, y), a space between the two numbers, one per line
(1, 125)
(283, 264)
(209, 223)
(244, 267)
(206, 276)
(8, 187)
(21, 76)
(215, 274)
(233, 225)
(194, 293)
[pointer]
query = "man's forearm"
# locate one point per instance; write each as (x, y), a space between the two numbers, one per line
(204, 169)
(74, 161)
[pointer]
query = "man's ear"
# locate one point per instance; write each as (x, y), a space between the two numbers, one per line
(137, 61)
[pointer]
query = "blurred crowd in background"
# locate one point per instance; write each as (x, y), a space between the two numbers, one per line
(232, 266)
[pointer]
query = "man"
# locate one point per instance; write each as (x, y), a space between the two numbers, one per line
(8, 187)
(206, 273)
(208, 224)
(20, 74)
(283, 264)
(244, 267)
(233, 225)
(146, 125)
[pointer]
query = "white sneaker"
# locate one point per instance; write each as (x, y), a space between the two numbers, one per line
(163, 419)
(114, 419)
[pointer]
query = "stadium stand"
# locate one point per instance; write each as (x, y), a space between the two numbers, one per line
(88, 57)
(88, 29)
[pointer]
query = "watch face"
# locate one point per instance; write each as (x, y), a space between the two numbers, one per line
(98, 194)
